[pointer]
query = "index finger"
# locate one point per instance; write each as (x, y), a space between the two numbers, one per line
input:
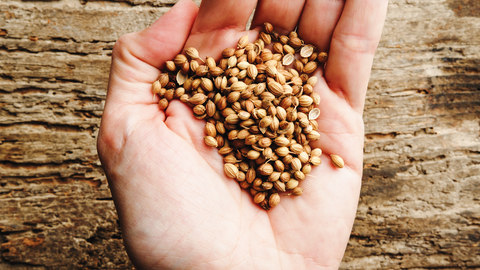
(354, 42)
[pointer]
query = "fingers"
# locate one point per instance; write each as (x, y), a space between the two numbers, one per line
(282, 14)
(352, 48)
(219, 25)
(137, 57)
(221, 14)
(164, 38)
(319, 18)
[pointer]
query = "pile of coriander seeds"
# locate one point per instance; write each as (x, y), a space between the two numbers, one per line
(259, 107)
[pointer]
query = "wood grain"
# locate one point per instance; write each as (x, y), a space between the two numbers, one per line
(419, 207)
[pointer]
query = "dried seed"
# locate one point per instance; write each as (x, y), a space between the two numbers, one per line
(243, 41)
(230, 170)
(260, 197)
(322, 57)
(312, 80)
(279, 185)
(199, 109)
(275, 88)
(268, 28)
(291, 184)
(310, 67)
(307, 168)
(265, 169)
(297, 191)
(282, 151)
(210, 129)
(313, 135)
(274, 200)
(315, 160)
(163, 104)
(252, 71)
(211, 141)
(252, 154)
(198, 99)
(316, 152)
(305, 101)
(179, 60)
(296, 164)
(228, 52)
(288, 49)
(337, 161)
(238, 86)
(266, 38)
(170, 65)
(299, 175)
(295, 42)
(303, 157)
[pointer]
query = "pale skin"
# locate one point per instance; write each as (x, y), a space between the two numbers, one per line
(177, 208)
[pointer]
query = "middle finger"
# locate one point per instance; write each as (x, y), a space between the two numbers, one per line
(282, 14)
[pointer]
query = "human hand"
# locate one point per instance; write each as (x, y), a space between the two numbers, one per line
(176, 207)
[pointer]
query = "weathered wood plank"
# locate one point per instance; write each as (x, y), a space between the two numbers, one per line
(79, 24)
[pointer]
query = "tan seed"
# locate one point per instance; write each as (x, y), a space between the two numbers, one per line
(163, 104)
(230, 170)
(198, 99)
(170, 66)
(243, 41)
(305, 101)
(296, 164)
(291, 184)
(260, 197)
(228, 52)
(315, 160)
(265, 169)
(274, 200)
(268, 28)
(211, 141)
(210, 129)
(297, 191)
(337, 161)
(179, 60)
(252, 154)
(279, 185)
(192, 53)
(310, 67)
(316, 152)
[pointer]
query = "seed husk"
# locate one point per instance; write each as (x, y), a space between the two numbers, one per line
(307, 50)
(288, 59)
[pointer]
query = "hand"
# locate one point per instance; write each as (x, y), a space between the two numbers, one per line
(177, 208)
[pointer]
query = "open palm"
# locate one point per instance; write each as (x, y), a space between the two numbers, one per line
(177, 208)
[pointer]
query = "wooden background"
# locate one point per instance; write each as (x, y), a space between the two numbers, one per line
(419, 207)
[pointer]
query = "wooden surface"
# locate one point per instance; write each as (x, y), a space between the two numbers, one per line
(420, 201)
